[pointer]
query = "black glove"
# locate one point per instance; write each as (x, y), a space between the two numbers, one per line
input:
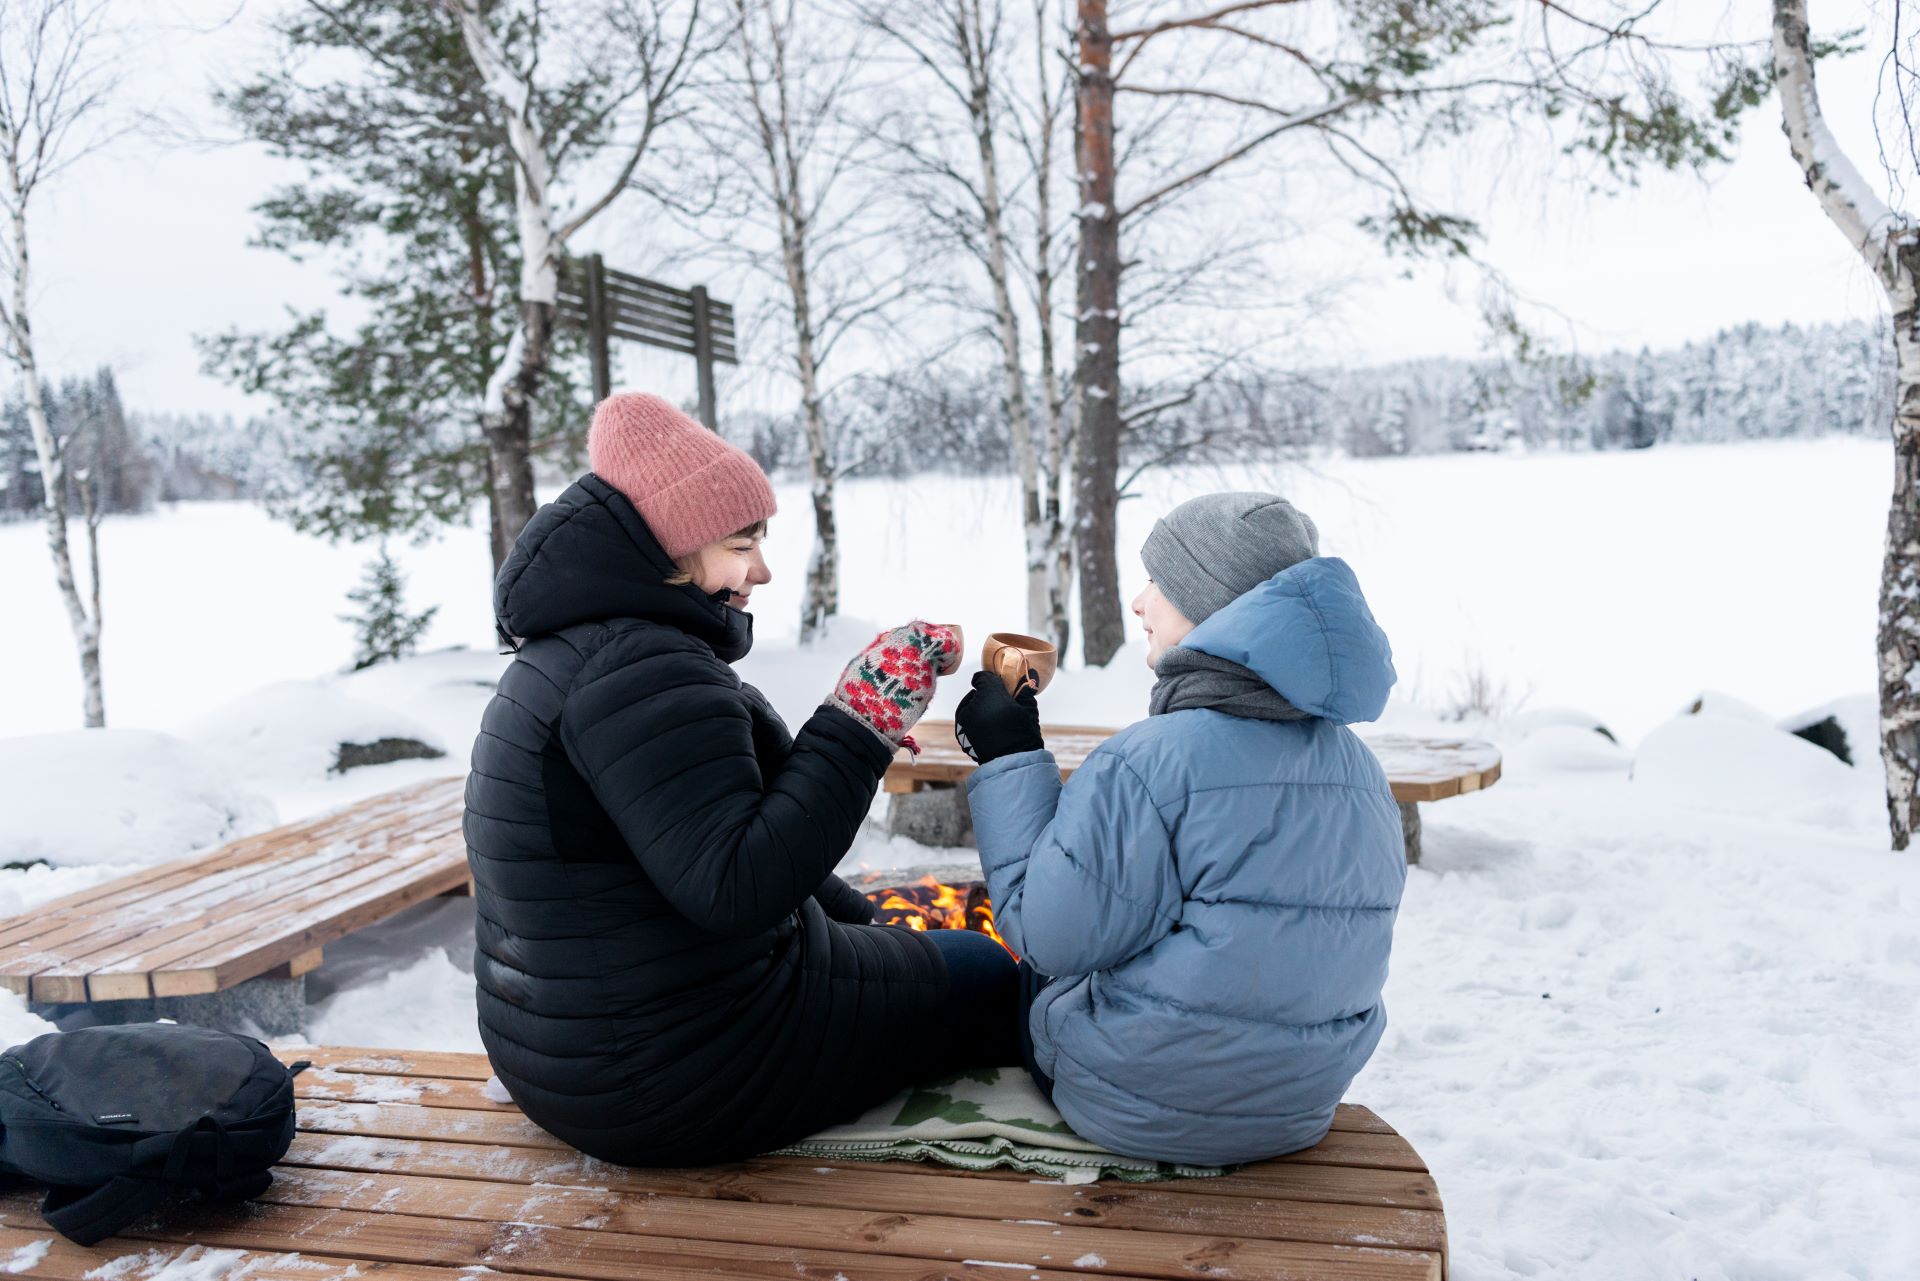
(991, 723)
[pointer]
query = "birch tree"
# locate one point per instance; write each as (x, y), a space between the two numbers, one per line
(55, 83)
(1888, 241)
(1354, 87)
(778, 127)
(969, 51)
(632, 59)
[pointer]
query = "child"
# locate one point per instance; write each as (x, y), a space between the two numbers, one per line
(1213, 892)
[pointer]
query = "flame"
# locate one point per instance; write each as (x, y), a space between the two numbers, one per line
(928, 904)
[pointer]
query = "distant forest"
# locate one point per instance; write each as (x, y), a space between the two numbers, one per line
(1747, 383)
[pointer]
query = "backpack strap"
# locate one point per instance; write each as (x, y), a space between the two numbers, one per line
(86, 1216)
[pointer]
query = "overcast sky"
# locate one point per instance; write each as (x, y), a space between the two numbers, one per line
(145, 245)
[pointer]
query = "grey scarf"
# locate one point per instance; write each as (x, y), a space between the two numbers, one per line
(1188, 678)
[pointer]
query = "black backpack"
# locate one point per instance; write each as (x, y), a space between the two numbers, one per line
(118, 1118)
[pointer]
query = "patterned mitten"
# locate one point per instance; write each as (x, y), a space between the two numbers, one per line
(889, 683)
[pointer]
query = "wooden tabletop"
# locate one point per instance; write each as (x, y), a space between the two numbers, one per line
(264, 903)
(1419, 769)
(405, 1170)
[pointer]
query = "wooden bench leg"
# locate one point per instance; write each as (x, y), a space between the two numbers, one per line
(1410, 830)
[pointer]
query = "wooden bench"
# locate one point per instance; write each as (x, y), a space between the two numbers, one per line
(261, 907)
(1419, 769)
(404, 1169)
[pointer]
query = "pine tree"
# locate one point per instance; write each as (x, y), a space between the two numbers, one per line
(383, 630)
(410, 189)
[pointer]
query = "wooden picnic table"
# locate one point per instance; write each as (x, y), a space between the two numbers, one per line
(264, 905)
(405, 1169)
(1418, 769)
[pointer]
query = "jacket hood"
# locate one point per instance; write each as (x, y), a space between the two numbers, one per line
(1307, 632)
(588, 557)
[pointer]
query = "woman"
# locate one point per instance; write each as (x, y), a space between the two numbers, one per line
(669, 972)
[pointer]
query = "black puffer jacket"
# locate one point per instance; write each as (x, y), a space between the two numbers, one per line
(662, 979)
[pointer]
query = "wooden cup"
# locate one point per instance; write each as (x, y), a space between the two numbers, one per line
(1008, 655)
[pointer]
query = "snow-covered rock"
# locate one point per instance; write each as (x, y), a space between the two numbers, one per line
(1535, 719)
(307, 729)
(1714, 702)
(119, 796)
(1556, 748)
(1751, 768)
(1848, 727)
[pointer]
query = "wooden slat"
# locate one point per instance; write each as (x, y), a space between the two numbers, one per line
(434, 1063)
(344, 1074)
(531, 1250)
(305, 963)
(1169, 1253)
(1345, 1184)
(1185, 1205)
(124, 1259)
(1417, 769)
(509, 1129)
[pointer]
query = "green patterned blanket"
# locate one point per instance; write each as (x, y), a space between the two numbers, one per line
(979, 1120)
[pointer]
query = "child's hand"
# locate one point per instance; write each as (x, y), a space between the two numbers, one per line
(991, 723)
(889, 683)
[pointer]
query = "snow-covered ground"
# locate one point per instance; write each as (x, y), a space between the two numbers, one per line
(1653, 1008)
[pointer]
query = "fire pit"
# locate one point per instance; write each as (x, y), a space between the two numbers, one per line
(932, 902)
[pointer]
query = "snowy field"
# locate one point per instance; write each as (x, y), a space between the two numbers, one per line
(1653, 1006)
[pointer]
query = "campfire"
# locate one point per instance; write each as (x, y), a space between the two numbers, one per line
(928, 904)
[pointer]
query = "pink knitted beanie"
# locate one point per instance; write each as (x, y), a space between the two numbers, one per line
(692, 488)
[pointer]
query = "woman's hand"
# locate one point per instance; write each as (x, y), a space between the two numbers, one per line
(889, 683)
(991, 723)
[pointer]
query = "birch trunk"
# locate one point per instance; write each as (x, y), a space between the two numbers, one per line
(1026, 459)
(1889, 243)
(1097, 337)
(53, 470)
(822, 599)
(506, 413)
(1059, 546)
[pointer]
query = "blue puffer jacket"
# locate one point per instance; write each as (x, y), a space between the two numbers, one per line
(1216, 894)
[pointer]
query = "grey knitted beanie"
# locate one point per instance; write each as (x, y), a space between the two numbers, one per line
(1210, 549)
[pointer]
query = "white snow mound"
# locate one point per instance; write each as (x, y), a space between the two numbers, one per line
(292, 730)
(119, 796)
(1556, 748)
(1858, 716)
(1718, 703)
(1535, 719)
(1738, 766)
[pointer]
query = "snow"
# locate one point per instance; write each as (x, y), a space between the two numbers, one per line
(18, 1025)
(426, 1002)
(290, 732)
(1741, 767)
(27, 1257)
(118, 796)
(1651, 1005)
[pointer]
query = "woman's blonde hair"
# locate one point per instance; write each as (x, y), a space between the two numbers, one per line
(684, 574)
